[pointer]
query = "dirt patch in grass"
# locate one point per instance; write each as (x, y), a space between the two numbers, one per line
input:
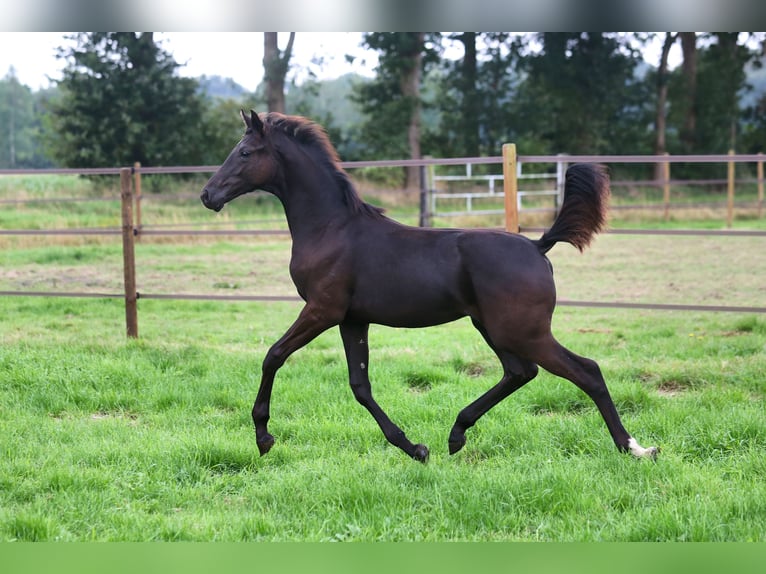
(671, 388)
(418, 382)
(658, 269)
(471, 369)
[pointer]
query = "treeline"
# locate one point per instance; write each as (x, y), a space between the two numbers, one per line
(122, 100)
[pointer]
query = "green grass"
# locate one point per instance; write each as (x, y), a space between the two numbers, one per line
(108, 439)
(102, 438)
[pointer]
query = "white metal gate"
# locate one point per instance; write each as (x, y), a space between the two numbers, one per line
(494, 191)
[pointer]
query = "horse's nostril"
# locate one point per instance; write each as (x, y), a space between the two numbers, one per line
(205, 197)
(208, 202)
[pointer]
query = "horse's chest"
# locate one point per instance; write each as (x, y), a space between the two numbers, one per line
(316, 271)
(300, 275)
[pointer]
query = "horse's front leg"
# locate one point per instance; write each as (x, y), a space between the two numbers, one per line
(310, 323)
(354, 337)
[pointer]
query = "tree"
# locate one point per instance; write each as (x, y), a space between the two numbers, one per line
(121, 101)
(689, 90)
(330, 104)
(275, 66)
(706, 97)
(660, 146)
(721, 79)
(392, 102)
(662, 94)
(475, 94)
(580, 94)
(10, 91)
(220, 128)
(753, 132)
(19, 125)
(467, 85)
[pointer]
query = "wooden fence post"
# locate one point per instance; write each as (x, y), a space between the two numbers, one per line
(128, 253)
(137, 195)
(510, 188)
(426, 182)
(431, 179)
(730, 192)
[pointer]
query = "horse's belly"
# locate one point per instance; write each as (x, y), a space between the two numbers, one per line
(405, 308)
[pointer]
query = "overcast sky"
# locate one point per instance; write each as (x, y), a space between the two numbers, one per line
(236, 55)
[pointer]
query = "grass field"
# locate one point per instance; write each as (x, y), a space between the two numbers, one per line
(108, 439)
(105, 439)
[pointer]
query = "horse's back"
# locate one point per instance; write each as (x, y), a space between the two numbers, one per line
(407, 276)
(506, 256)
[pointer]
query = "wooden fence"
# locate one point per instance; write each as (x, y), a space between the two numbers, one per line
(512, 176)
(131, 189)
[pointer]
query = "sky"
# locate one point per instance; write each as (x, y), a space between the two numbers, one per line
(236, 55)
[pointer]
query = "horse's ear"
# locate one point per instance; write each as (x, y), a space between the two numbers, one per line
(255, 122)
(245, 119)
(252, 121)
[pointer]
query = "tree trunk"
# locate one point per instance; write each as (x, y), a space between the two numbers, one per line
(689, 69)
(727, 42)
(662, 98)
(12, 120)
(410, 87)
(471, 102)
(275, 66)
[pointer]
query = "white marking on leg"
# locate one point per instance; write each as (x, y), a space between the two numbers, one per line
(641, 452)
(363, 366)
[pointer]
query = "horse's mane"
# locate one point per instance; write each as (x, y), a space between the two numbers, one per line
(312, 135)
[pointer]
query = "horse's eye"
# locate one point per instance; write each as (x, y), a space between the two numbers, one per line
(250, 150)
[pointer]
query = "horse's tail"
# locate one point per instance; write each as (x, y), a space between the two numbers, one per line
(584, 210)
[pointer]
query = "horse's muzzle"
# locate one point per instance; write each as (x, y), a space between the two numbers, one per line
(208, 202)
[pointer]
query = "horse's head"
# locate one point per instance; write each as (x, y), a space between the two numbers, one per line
(251, 165)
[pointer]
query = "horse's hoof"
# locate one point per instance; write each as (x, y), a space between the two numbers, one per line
(265, 444)
(640, 452)
(421, 453)
(455, 444)
(652, 452)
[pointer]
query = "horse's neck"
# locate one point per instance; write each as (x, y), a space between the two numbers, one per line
(313, 205)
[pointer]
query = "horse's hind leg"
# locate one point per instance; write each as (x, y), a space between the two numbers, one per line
(516, 373)
(354, 337)
(586, 374)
